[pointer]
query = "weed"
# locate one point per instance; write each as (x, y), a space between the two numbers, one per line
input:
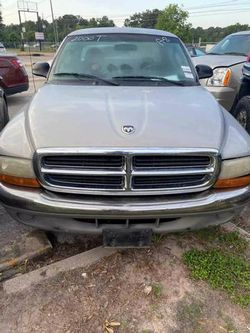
(189, 313)
(229, 326)
(157, 239)
(157, 289)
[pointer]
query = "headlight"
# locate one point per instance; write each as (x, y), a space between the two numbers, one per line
(220, 78)
(17, 171)
(234, 173)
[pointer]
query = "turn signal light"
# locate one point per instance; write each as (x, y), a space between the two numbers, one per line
(227, 78)
(233, 182)
(18, 181)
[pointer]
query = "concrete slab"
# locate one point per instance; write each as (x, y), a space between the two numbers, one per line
(81, 260)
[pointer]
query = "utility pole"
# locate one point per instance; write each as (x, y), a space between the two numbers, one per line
(54, 24)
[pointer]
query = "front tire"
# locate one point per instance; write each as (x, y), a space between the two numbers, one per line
(242, 113)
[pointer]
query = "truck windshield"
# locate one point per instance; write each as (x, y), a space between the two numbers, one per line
(124, 59)
(233, 45)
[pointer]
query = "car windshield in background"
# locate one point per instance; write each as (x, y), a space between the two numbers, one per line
(124, 59)
(233, 45)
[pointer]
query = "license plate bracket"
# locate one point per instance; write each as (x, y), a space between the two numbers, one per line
(126, 238)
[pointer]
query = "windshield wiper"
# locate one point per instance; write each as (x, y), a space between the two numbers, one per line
(150, 78)
(213, 53)
(82, 76)
(235, 53)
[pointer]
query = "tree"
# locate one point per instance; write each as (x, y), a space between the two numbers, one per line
(147, 19)
(1, 24)
(174, 19)
(105, 22)
(215, 34)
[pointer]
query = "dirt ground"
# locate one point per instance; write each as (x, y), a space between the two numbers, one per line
(119, 288)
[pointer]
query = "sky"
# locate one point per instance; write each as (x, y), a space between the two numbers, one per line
(204, 13)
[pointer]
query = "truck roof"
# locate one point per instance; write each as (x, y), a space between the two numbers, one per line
(122, 30)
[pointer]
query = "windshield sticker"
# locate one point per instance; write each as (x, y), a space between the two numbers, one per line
(87, 38)
(186, 69)
(162, 41)
(188, 75)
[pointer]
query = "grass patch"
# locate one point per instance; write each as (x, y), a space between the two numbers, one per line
(227, 241)
(221, 270)
(157, 290)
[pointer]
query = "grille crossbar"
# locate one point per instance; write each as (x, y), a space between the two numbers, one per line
(126, 172)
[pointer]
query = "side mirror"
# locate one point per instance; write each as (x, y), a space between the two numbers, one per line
(41, 69)
(204, 71)
(246, 70)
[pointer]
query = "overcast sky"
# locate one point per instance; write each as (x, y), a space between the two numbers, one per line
(203, 13)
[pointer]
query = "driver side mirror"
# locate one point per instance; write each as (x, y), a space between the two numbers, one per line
(41, 69)
(204, 71)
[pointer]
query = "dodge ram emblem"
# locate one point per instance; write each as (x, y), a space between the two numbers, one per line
(128, 129)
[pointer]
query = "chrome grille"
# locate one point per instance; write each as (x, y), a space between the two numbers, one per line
(83, 162)
(162, 162)
(125, 171)
(88, 182)
(161, 182)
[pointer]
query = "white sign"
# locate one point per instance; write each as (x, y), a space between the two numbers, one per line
(39, 35)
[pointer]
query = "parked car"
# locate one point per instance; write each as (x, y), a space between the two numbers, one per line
(226, 58)
(195, 51)
(2, 48)
(242, 109)
(14, 78)
(123, 141)
(4, 116)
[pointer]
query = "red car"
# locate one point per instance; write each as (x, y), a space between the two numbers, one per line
(13, 76)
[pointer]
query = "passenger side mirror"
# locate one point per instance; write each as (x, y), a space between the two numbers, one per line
(41, 69)
(204, 71)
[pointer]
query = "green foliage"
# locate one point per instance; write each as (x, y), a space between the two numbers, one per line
(174, 19)
(147, 19)
(221, 270)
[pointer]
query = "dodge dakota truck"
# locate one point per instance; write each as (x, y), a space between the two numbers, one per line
(123, 141)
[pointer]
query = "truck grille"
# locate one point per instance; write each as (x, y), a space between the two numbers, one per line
(126, 172)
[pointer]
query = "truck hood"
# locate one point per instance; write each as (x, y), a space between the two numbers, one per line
(93, 116)
(219, 60)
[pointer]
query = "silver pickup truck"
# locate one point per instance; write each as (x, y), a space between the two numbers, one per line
(227, 59)
(123, 140)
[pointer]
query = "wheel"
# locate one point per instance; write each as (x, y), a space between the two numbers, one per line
(242, 112)
(4, 117)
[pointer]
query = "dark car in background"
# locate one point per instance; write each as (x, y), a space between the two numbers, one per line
(242, 109)
(4, 116)
(13, 76)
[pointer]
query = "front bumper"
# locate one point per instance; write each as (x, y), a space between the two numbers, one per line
(92, 214)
